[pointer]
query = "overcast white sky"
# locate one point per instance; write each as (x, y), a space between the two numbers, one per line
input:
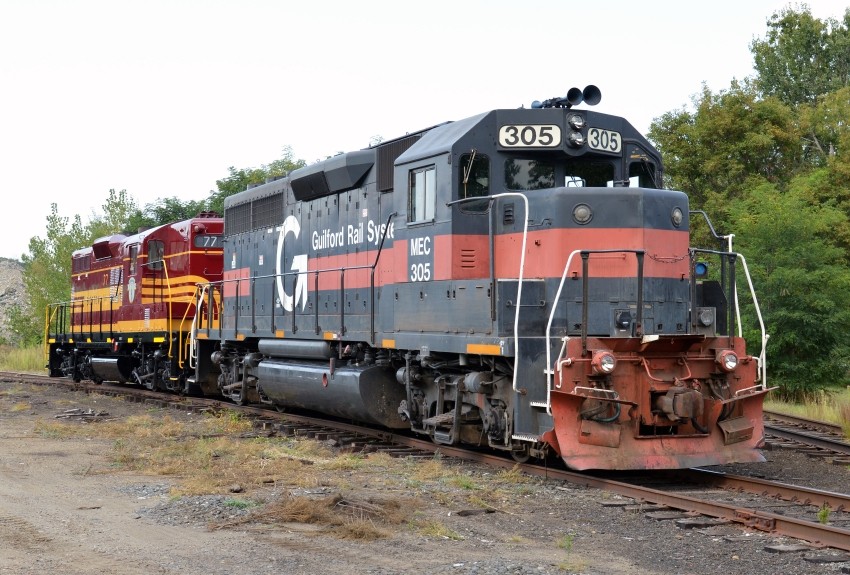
(160, 97)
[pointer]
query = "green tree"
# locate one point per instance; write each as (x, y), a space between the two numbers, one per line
(47, 266)
(803, 285)
(239, 180)
(802, 57)
(165, 211)
(732, 142)
(826, 131)
(118, 209)
(47, 273)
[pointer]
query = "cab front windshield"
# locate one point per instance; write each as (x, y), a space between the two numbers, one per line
(538, 174)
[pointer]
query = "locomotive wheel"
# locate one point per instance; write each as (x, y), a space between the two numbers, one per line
(240, 397)
(522, 455)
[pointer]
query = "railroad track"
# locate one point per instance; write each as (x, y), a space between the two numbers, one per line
(694, 497)
(816, 438)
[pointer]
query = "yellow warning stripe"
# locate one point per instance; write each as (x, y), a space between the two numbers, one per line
(484, 349)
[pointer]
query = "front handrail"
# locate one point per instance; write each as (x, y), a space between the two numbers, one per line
(585, 254)
(520, 278)
(79, 306)
(762, 357)
(551, 368)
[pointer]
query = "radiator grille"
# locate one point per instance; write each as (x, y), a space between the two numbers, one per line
(261, 213)
(267, 212)
(237, 219)
(387, 154)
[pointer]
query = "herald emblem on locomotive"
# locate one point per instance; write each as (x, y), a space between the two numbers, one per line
(518, 280)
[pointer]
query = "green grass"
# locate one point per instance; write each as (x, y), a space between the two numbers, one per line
(832, 406)
(239, 503)
(22, 360)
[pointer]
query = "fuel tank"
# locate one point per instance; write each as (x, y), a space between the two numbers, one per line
(367, 394)
(111, 368)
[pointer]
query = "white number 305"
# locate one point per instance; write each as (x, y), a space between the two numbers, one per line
(420, 272)
(532, 136)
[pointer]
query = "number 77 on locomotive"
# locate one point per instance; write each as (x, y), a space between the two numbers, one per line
(517, 280)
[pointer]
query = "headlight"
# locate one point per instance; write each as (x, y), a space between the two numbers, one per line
(582, 214)
(727, 359)
(676, 217)
(603, 362)
(576, 121)
(576, 139)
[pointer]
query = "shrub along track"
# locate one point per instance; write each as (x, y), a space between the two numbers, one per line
(818, 517)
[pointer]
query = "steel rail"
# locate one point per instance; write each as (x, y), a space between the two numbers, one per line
(811, 531)
(804, 422)
(795, 493)
(836, 445)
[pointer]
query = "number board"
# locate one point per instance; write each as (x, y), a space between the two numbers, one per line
(604, 140)
(530, 136)
(207, 241)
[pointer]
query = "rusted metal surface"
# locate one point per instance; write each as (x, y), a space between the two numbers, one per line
(804, 495)
(810, 531)
(804, 422)
(579, 440)
(835, 445)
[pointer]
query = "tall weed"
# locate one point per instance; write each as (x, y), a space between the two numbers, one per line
(22, 360)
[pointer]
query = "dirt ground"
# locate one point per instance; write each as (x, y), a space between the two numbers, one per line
(59, 516)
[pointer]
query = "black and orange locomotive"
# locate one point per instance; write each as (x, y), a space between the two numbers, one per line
(517, 280)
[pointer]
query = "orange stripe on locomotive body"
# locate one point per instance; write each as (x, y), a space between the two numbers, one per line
(237, 280)
(547, 252)
(354, 278)
(461, 256)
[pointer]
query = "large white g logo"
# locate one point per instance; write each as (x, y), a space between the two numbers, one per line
(299, 264)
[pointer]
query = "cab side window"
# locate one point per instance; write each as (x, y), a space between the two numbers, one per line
(422, 195)
(474, 181)
(156, 250)
(134, 256)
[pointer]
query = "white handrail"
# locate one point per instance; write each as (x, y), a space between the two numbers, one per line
(762, 358)
(549, 370)
(735, 295)
(519, 279)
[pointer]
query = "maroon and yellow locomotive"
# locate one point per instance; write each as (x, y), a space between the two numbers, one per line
(133, 303)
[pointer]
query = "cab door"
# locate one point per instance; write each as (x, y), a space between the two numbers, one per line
(131, 311)
(155, 303)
